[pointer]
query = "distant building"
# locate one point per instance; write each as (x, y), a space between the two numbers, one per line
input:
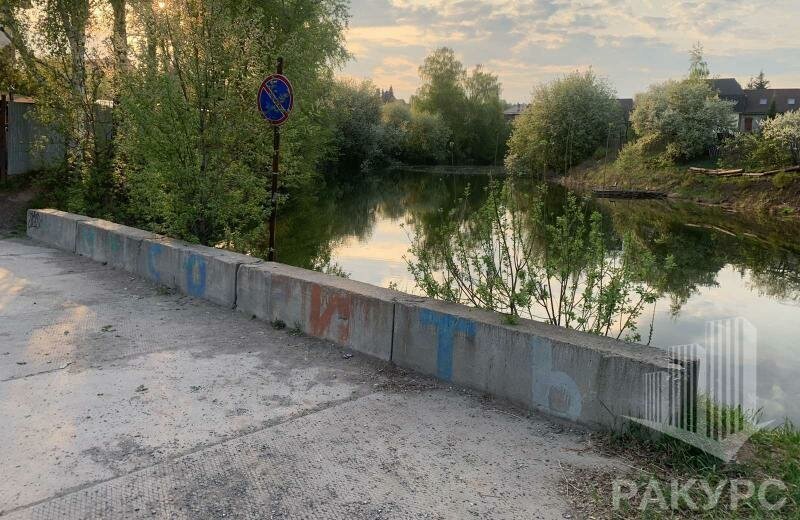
(514, 111)
(753, 105)
(626, 104)
(387, 96)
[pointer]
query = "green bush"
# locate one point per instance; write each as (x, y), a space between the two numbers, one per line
(413, 137)
(783, 179)
(753, 152)
(686, 115)
(568, 119)
(644, 153)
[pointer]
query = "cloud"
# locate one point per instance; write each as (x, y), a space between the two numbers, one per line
(633, 42)
(396, 72)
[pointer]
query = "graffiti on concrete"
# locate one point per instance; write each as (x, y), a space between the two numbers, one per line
(87, 238)
(114, 243)
(153, 253)
(554, 391)
(195, 269)
(34, 220)
(330, 314)
(447, 326)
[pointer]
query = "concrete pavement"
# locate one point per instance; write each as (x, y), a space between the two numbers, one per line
(120, 399)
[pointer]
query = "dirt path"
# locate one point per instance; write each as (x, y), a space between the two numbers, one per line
(12, 212)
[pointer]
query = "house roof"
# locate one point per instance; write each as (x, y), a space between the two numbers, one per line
(781, 96)
(730, 90)
(727, 87)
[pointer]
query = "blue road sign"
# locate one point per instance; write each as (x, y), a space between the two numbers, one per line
(276, 99)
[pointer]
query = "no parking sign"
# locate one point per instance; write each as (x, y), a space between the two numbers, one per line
(276, 99)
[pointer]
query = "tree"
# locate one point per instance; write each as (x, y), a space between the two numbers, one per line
(356, 114)
(14, 77)
(196, 149)
(488, 130)
(698, 66)
(413, 137)
(684, 117)
(759, 82)
(784, 130)
(515, 255)
(442, 92)
(51, 39)
(772, 111)
(469, 104)
(567, 120)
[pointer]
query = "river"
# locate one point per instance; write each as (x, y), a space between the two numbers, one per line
(727, 265)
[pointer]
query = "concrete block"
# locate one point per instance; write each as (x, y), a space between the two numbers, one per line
(54, 227)
(110, 243)
(199, 271)
(575, 376)
(352, 314)
(254, 290)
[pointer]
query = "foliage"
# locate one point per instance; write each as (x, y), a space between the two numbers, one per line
(69, 76)
(783, 180)
(442, 91)
(196, 151)
(183, 151)
(698, 66)
(516, 256)
(759, 82)
(686, 115)
(784, 131)
(751, 151)
(487, 129)
(14, 77)
(468, 104)
(413, 137)
(772, 111)
(647, 151)
(357, 131)
(567, 120)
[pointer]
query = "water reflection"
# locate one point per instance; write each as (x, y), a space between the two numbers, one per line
(725, 264)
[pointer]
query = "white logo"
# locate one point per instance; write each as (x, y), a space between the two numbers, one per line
(712, 405)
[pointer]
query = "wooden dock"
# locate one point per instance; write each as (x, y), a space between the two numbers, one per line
(628, 194)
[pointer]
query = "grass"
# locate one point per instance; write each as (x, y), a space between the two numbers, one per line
(770, 454)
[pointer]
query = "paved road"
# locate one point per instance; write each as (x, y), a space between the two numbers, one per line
(121, 400)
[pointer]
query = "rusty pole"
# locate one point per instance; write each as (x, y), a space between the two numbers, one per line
(276, 157)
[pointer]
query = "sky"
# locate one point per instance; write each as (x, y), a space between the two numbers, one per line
(633, 43)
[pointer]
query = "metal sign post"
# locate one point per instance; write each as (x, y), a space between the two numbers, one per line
(275, 101)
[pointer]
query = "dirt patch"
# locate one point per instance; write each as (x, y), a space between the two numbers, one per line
(12, 212)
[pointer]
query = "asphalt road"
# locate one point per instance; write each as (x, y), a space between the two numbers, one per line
(120, 399)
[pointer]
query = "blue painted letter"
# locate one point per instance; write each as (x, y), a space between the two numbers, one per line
(195, 275)
(152, 255)
(446, 328)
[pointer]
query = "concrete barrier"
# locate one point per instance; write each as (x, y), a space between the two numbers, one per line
(592, 380)
(588, 379)
(54, 227)
(110, 243)
(352, 314)
(199, 271)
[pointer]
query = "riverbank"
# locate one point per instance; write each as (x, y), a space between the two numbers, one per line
(778, 195)
(441, 169)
